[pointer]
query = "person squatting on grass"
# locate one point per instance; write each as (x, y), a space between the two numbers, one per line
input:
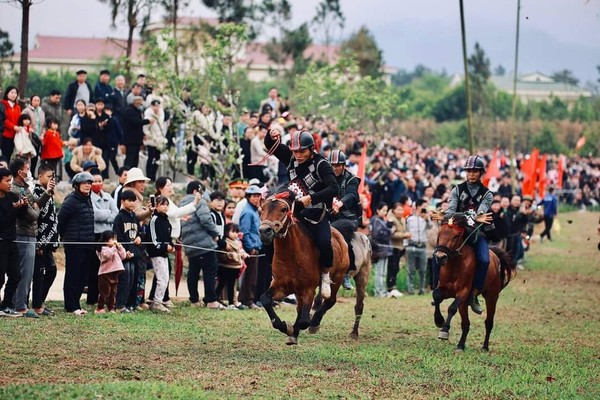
(160, 235)
(111, 256)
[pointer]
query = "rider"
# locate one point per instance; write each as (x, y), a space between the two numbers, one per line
(474, 199)
(315, 175)
(346, 205)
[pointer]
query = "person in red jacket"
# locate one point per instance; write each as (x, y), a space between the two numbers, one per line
(13, 112)
(52, 145)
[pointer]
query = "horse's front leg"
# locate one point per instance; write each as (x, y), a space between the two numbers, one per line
(267, 301)
(438, 297)
(444, 332)
(302, 318)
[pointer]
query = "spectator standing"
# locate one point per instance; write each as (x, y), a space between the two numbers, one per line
(38, 126)
(76, 228)
(249, 226)
(23, 139)
(103, 133)
(52, 109)
(119, 97)
(381, 235)
(550, 203)
(272, 102)
(200, 231)
(230, 265)
(79, 89)
(114, 137)
(52, 145)
(74, 130)
(47, 241)
(111, 257)
(398, 237)
(417, 225)
(12, 207)
(116, 194)
(155, 136)
(133, 133)
(160, 235)
(103, 90)
(12, 112)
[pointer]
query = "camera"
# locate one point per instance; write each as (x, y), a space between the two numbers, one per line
(423, 211)
(153, 200)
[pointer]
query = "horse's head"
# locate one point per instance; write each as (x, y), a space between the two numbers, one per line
(277, 215)
(450, 238)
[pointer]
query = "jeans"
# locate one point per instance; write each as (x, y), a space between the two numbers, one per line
(9, 266)
(161, 272)
(77, 261)
(206, 262)
(126, 283)
(43, 277)
(380, 266)
(482, 254)
(416, 261)
(26, 264)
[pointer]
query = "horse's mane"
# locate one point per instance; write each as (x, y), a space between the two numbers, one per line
(458, 219)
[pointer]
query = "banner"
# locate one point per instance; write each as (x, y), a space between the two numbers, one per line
(493, 170)
(528, 169)
(541, 171)
(361, 168)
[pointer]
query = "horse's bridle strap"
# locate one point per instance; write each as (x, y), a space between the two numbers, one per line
(277, 226)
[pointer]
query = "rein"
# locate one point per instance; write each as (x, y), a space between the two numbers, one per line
(285, 223)
(451, 253)
(270, 152)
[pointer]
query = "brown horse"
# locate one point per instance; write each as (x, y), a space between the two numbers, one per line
(296, 267)
(457, 270)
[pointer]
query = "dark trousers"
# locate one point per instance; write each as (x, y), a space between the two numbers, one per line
(69, 171)
(394, 267)
(92, 282)
(152, 163)
(192, 155)
(264, 275)
(77, 261)
(206, 262)
(153, 289)
(9, 266)
(248, 286)
(548, 221)
(112, 160)
(321, 234)
(125, 284)
(138, 291)
(8, 147)
(107, 285)
(482, 254)
(44, 274)
(55, 164)
(227, 277)
(132, 155)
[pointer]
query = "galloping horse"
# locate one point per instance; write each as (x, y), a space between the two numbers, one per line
(457, 269)
(296, 268)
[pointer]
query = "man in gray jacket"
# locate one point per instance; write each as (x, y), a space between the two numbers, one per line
(199, 237)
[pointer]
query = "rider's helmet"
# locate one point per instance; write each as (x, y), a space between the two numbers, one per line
(82, 177)
(301, 140)
(475, 162)
(336, 157)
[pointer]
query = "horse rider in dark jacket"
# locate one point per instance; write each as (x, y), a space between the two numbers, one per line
(346, 205)
(474, 199)
(311, 174)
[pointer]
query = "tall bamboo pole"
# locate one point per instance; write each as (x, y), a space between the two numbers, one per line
(513, 135)
(467, 86)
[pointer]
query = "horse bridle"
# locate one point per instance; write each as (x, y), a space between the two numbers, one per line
(451, 253)
(287, 221)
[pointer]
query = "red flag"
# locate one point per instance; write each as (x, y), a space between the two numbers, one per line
(560, 170)
(542, 176)
(493, 171)
(580, 143)
(361, 168)
(528, 168)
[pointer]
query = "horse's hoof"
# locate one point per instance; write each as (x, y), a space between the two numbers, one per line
(459, 350)
(443, 335)
(354, 336)
(291, 341)
(485, 349)
(313, 329)
(290, 329)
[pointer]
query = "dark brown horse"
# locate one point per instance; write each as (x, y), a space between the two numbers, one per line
(456, 261)
(296, 267)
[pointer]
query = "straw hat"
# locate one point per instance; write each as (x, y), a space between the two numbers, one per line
(134, 175)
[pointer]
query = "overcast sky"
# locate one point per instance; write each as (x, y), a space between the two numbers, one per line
(555, 34)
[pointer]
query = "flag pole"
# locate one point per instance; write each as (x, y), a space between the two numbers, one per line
(513, 157)
(467, 87)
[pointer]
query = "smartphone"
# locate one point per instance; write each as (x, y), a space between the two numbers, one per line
(153, 200)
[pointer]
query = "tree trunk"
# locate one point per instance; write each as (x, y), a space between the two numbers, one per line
(131, 22)
(24, 61)
(175, 9)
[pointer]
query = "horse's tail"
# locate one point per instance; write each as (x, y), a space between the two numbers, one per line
(508, 269)
(346, 228)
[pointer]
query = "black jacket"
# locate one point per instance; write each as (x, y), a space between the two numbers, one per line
(119, 103)
(160, 235)
(127, 228)
(76, 219)
(133, 134)
(47, 223)
(103, 91)
(2, 117)
(69, 99)
(8, 216)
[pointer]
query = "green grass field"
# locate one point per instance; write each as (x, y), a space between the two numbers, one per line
(545, 345)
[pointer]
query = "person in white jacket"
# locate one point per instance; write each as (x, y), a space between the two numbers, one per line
(155, 136)
(164, 187)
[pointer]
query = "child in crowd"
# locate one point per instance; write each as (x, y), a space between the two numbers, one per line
(128, 233)
(111, 257)
(229, 210)
(217, 204)
(230, 264)
(160, 235)
(52, 144)
(23, 144)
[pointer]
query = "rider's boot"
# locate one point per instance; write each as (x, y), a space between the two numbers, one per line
(474, 302)
(325, 285)
(346, 283)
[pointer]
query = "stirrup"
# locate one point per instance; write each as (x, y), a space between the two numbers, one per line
(475, 306)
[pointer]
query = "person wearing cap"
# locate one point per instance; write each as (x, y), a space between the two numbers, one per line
(76, 230)
(79, 89)
(237, 188)
(474, 199)
(133, 131)
(312, 173)
(249, 226)
(155, 136)
(87, 152)
(103, 90)
(346, 205)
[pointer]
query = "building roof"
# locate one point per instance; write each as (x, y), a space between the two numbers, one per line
(537, 83)
(256, 54)
(62, 47)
